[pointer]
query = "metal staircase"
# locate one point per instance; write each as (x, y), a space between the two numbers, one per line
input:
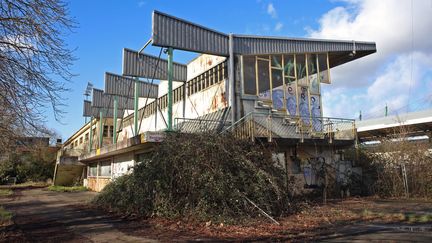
(276, 125)
(270, 125)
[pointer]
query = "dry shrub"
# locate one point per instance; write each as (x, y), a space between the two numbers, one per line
(203, 177)
(385, 162)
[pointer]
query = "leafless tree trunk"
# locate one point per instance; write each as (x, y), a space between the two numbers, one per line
(34, 64)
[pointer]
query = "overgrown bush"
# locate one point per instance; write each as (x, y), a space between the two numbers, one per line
(34, 165)
(386, 164)
(201, 176)
(388, 161)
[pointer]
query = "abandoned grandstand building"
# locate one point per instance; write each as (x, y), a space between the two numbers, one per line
(259, 88)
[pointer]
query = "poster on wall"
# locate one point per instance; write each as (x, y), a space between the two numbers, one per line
(278, 98)
(265, 95)
(316, 113)
(291, 99)
(304, 104)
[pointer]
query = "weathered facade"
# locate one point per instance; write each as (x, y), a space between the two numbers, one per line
(258, 88)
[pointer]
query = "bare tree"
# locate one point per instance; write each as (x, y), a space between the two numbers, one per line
(34, 64)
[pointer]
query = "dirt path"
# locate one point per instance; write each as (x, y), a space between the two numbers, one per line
(45, 216)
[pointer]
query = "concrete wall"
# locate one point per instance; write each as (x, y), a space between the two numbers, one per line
(96, 183)
(204, 102)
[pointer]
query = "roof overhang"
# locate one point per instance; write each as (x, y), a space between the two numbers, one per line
(170, 31)
(136, 64)
(124, 86)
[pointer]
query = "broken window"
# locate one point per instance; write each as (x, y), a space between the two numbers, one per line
(263, 79)
(105, 131)
(301, 69)
(111, 131)
(249, 75)
(276, 61)
(105, 168)
(278, 89)
(289, 69)
(92, 170)
(324, 71)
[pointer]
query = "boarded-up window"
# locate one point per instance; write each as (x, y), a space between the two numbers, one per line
(249, 75)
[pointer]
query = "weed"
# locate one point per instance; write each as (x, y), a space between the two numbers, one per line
(5, 192)
(67, 188)
(5, 216)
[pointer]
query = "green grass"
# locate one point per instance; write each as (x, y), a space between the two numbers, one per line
(418, 218)
(5, 192)
(5, 216)
(25, 184)
(67, 188)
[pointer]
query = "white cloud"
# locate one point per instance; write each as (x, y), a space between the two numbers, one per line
(383, 77)
(392, 87)
(271, 10)
(278, 26)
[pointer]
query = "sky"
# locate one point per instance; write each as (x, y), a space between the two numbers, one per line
(399, 75)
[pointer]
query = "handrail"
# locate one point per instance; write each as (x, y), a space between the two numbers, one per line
(252, 126)
(239, 121)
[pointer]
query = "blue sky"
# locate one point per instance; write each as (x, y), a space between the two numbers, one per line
(106, 27)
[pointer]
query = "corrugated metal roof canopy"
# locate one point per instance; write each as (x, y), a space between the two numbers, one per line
(147, 66)
(124, 86)
(102, 100)
(90, 111)
(169, 31)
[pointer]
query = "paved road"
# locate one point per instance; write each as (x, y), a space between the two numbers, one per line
(45, 216)
(381, 233)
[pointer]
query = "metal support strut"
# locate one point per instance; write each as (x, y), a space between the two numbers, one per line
(114, 135)
(100, 128)
(91, 134)
(137, 84)
(170, 88)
